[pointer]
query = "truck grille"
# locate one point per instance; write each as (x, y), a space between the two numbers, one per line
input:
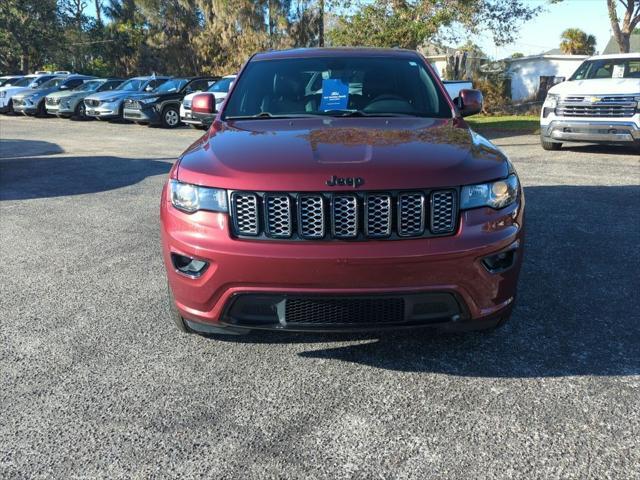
(91, 102)
(596, 106)
(344, 216)
(132, 104)
(347, 311)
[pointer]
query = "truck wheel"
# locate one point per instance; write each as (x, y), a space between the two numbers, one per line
(10, 107)
(41, 110)
(170, 117)
(80, 112)
(175, 316)
(549, 145)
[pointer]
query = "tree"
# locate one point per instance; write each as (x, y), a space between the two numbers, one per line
(409, 23)
(29, 33)
(576, 42)
(623, 30)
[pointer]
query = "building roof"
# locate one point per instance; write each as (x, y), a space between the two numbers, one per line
(612, 46)
(546, 56)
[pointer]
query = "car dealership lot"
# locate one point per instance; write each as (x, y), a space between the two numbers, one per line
(95, 381)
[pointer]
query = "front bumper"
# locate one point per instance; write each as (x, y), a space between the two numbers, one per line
(104, 110)
(621, 131)
(25, 107)
(343, 270)
(187, 117)
(144, 115)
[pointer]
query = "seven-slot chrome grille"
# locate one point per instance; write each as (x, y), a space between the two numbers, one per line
(597, 106)
(134, 104)
(344, 215)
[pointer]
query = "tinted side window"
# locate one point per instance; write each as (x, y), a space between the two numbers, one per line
(198, 85)
(74, 83)
(105, 87)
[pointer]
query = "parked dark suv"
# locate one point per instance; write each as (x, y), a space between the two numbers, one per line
(341, 189)
(162, 106)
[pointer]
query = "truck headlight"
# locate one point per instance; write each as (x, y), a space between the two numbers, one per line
(191, 198)
(494, 194)
(551, 101)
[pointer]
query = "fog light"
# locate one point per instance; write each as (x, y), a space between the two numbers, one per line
(499, 262)
(188, 266)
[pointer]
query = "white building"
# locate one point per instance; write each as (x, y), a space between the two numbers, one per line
(532, 76)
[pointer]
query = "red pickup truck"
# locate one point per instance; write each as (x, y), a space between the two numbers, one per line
(341, 189)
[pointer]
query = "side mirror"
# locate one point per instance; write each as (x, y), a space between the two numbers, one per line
(469, 102)
(203, 103)
(64, 87)
(148, 88)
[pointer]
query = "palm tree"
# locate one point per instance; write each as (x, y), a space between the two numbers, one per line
(576, 42)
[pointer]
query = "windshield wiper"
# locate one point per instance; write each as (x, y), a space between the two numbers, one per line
(361, 113)
(263, 115)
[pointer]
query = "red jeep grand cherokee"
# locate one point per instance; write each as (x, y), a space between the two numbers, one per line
(340, 189)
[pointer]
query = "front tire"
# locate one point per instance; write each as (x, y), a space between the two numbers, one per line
(174, 315)
(550, 145)
(170, 117)
(41, 110)
(10, 107)
(80, 112)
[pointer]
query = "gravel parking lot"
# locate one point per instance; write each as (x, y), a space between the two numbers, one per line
(95, 381)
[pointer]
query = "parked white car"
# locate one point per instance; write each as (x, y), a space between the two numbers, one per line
(219, 90)
(25, 83)
(600, 103)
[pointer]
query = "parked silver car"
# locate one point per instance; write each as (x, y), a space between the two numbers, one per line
(70, 103)
(108, 105)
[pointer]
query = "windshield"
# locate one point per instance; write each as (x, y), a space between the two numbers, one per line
(23, 82)
(608, 68)
(10, 81)
(366, 86)
(172, 85)
(88, 86)
(53, 83)
(221, 86)
(134, 84)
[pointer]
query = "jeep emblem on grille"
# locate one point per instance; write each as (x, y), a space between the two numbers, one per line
(350, 181)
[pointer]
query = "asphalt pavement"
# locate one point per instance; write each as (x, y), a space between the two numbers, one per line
(95, 382)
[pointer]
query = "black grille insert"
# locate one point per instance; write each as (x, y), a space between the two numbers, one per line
(317, 311)
(344, 216)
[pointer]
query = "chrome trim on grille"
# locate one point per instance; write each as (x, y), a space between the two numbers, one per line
(311, 216)
(378, 215)
(277, 214)
(596, 106)
(344, 216)
(443, 206)
(245, 213)
(411, 214)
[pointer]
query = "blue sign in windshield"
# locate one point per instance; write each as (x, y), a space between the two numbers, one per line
(335, 95)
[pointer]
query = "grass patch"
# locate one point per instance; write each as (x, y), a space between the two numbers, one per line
(515, 123)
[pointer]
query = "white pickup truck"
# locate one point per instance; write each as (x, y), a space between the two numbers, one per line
(600, 103)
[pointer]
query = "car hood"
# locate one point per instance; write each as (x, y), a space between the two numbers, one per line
(115, 94)
(64, 93)
(13, 91)
(302, 154)
(36, 92)
(600, 86)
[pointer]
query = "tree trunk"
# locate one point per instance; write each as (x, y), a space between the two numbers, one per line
(622, 33)
(321, 23)
(98, 4)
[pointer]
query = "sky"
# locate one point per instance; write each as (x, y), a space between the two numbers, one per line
(543, 32)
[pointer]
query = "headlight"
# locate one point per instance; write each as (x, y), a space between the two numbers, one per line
(191, 198)
(219, 100)
(109, 100)
(148, 100)
(495, 194)
(551, 101)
